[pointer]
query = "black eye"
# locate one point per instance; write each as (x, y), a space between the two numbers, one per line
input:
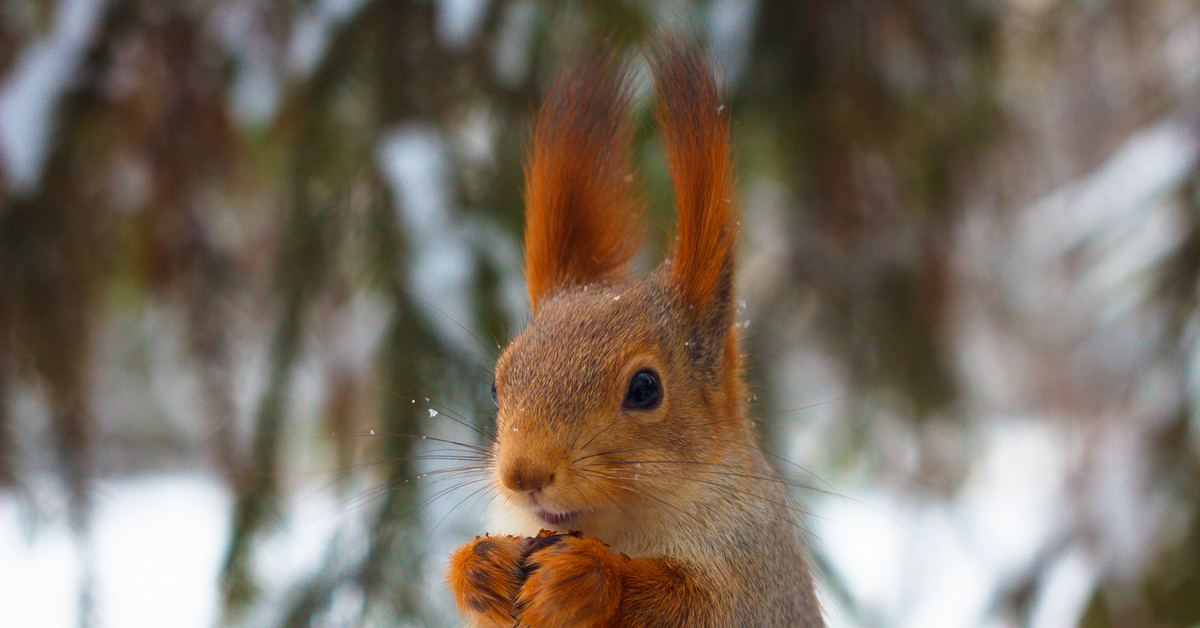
(495, 399)
(644, 391)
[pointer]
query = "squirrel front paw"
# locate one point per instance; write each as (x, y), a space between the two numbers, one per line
(572, 582)
(486, 575)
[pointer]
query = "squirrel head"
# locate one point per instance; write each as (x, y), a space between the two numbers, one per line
(619, 386)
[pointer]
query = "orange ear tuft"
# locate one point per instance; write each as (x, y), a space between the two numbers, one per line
(696, 132)
(580, 224)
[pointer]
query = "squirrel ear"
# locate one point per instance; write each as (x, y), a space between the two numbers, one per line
(579, 196)
(696, 132)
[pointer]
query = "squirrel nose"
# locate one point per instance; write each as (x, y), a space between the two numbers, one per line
(525, 476)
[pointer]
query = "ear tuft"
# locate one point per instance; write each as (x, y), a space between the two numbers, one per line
(581, 225)
(695, 128)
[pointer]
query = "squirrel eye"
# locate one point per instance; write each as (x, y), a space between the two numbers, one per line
(644, 391)
(495, 399)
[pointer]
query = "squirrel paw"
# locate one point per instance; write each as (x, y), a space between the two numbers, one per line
(486, 575)
(572, 582)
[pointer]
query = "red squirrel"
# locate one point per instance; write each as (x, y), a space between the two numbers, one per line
(622, 414)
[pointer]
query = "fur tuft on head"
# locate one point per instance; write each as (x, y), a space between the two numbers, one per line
(696, 131)
(581, 225)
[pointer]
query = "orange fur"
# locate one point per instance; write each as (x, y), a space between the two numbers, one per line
(696, 131)
(580, 226)
(570, 581)
(485, 576)
(682, 521)
(576, 582)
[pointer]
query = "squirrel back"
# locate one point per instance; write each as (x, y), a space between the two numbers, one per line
(621, 407)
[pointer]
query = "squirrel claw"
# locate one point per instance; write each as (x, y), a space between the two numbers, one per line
(545, 539)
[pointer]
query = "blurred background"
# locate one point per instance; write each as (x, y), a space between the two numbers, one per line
(252, 252)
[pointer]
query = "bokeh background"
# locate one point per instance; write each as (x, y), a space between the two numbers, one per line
(251, 252)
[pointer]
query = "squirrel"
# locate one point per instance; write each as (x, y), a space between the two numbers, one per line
(621, 408)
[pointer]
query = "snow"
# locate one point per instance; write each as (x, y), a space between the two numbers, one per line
(310, 35)
(156, 546)
(939, 562)
(457, 22)
(29, 95)
(441, 268)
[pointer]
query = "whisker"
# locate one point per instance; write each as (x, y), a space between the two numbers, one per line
(685, 513)
(790, 506)
(808, 407)
(445, 491)
(494, 496)
(754, 476)
(449, 412)
(488, 504)
(611, 452)
(438, 475)
(486, 347)
(600, 489)
(366, 498)
(479, 448)
(356, 468)
(597, 432)
(461, 419)
(441, 473)
(749, 446)
(460, 503)
(778, 458)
